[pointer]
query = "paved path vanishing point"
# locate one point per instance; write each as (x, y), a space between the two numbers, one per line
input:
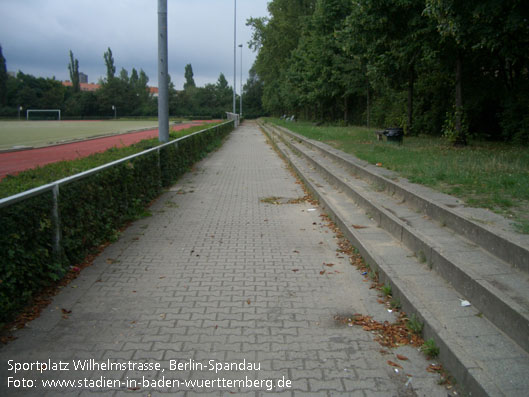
(218, 277)
(14, 162)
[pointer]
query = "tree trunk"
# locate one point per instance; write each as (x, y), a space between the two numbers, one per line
(368, 104)
(461, 139)
(345, 110)
(411, 82)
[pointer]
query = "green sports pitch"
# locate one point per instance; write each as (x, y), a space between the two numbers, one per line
(20, 134)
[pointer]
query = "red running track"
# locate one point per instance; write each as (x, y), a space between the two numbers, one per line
(12, 163)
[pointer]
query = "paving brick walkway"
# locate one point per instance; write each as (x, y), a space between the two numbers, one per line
(218, 277)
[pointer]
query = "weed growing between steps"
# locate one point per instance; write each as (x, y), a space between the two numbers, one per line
(405, 331)
(283, 200)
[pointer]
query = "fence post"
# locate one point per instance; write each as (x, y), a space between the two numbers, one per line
(56, 219)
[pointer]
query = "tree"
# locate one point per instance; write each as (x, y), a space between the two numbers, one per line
(223, 94)
(81, 104)
(3, 79)
(489, 40)
(130, 95)
(318, 69)
(73, 67)
(134, 79)
(204, 101)
(188, 74)
(124, 75)
(173, 97)
(275, 38)
(142, 89)
(391, 37)
(252, 95)
(40, 93)
(109, 62)
(143, 80)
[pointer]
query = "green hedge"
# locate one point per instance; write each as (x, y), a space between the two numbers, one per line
(27, 262)
(91, 209)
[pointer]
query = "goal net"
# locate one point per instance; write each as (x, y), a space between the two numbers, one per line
(43, 114)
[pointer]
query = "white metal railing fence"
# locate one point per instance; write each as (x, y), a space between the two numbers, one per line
(235, 117)
(54, 187)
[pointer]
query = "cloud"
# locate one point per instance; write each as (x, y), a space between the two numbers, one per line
(37, 36)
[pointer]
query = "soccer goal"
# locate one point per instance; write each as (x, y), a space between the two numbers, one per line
(43, 114)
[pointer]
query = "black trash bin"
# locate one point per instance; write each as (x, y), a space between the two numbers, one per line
(395, 134)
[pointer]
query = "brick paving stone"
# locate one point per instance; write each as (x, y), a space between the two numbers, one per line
(218, 274)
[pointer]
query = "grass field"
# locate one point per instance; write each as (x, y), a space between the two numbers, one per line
(32, 178)
(490, 175)
(42, 133)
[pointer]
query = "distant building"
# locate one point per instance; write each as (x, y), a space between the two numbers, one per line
(83, 86)
(83, 78)
(94, 87)
(11, 73)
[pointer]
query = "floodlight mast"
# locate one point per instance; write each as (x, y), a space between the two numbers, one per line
(163, 82)
(234, 54)
(240, 97)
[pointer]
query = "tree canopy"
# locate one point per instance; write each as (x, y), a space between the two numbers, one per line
(109, 63)
(3, 79)
(127, 92)
(430, 66)
(73, 68)
(188, 75)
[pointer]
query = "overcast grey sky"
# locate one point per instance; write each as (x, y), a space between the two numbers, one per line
(36, 36)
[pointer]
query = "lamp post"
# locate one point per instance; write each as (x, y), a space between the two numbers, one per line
(234, 52)
(163, 80)
(19, 110)
(240, 107)
(115, 109)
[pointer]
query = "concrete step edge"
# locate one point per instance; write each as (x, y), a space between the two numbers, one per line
(466, 371)
(510, 251)
(497, 306)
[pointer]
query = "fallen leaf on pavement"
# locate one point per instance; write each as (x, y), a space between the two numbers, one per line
(434, 368)
(394, 364)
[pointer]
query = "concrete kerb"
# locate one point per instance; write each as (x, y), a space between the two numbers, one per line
(504, 248)
(461, 367)
(494, 303)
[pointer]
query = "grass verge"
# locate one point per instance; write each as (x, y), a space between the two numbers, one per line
(484, 174)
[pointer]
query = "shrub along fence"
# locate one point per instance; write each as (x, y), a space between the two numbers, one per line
(49, 228)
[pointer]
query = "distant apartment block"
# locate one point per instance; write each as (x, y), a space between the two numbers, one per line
(83, 78)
